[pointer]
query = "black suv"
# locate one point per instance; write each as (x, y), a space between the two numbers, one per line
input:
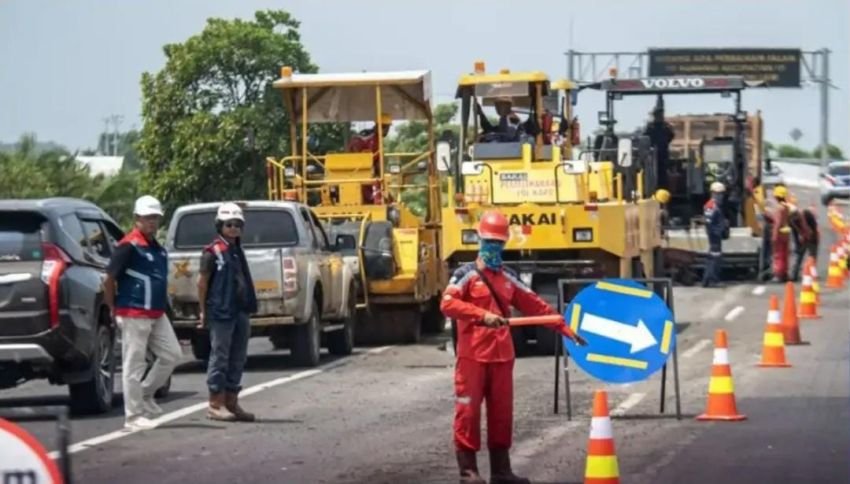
(53, 321)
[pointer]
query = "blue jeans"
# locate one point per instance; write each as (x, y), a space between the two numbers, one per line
(713, 261)
(228, 353)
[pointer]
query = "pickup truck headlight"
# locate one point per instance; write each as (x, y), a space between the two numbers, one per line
(583, 235)
(468, 237)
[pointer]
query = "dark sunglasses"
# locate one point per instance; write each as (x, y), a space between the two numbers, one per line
(234, 225)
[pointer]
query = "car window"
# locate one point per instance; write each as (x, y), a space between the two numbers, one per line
(113, 233)
(70, 224)
(320, 232)
(95, 235)
(20, 236)
(263, 228)
(839, 170)
(305, 216)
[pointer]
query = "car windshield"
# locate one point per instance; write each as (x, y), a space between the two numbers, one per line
(20, 237)
(263, 228)
(840, 170)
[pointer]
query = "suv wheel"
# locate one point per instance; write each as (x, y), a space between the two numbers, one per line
(201, 346)
(306, 345)
(341, 342)
(95, 395)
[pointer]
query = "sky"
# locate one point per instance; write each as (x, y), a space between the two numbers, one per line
(65, 65)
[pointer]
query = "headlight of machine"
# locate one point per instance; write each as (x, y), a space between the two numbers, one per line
(468, 237)
(289, 172)
(582, 235)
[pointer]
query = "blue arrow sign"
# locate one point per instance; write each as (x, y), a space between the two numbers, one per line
(629, 330)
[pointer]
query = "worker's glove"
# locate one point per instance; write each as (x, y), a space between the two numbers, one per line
(494, 321)
(578, 340)
(569, 333)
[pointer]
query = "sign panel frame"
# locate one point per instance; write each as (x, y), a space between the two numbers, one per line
(776, 67)
(661, 286)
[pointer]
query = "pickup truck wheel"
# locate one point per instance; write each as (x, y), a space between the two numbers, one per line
(201, 346)
(306, 345)
(95, 395)
(341, 342)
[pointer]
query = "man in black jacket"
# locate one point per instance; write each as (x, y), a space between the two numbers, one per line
(227, 298)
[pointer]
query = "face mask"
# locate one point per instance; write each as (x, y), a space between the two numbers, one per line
(490, 253)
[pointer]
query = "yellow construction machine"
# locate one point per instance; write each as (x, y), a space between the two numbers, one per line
(361, 190)
(570, 215)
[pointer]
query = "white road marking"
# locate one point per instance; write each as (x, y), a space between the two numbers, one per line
(758, 290)
(628, 403)
(734, 313)
(690, 352)
(182, 412)
(525, 451)
(728, 297)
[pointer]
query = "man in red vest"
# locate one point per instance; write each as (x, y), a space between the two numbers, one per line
(479, 296)
(367, 141)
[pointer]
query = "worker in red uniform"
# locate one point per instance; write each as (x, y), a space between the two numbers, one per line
(479, 297)
(781, 234)
(367, 141)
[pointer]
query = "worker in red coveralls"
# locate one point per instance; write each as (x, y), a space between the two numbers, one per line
(367, 141)
(485, 350)
(781, 234)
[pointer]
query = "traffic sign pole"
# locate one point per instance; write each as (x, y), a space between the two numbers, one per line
(630, 331)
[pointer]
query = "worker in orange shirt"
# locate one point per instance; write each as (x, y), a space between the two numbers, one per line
(479, 296)
(367, 141)
(781, 234)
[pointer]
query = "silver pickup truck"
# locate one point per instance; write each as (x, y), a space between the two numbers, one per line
(306, 294)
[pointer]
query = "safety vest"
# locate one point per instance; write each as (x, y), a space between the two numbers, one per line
(143, 286)
(222, 303)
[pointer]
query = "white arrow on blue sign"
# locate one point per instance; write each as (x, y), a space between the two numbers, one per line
(629, 329)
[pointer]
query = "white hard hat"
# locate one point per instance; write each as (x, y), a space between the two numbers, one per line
(718, 187)
(147, 205)
(229, 211)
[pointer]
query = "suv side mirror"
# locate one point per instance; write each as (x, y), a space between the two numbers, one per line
(624, 152)
(345, 242)
(444, 156)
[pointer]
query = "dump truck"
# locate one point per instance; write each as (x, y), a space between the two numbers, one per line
(704, 149)
(362, 189)
(571, 215)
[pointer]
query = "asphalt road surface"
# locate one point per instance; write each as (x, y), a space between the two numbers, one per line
(384, 414)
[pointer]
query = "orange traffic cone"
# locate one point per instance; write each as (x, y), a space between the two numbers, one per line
(808, 300)
(790, 323)
(773, 347)
(834, 278)
(842, 260)
(721, 390)
(601, 467)
(813, 272)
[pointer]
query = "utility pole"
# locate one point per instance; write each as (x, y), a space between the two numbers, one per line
(824, 108)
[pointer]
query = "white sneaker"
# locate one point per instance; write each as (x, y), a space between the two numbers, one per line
(139, 423)
(151, 408)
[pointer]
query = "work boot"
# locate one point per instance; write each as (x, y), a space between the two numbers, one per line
(217, 409)
(231, 401)
(500, 469)
(468, 466)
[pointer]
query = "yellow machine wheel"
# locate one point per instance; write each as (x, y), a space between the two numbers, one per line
(389, 324)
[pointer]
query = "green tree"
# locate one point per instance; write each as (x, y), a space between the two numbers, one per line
(126, 147)
(211, 115)
(833, 152)
(412, 136)
(790, 151)
(32, 173)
